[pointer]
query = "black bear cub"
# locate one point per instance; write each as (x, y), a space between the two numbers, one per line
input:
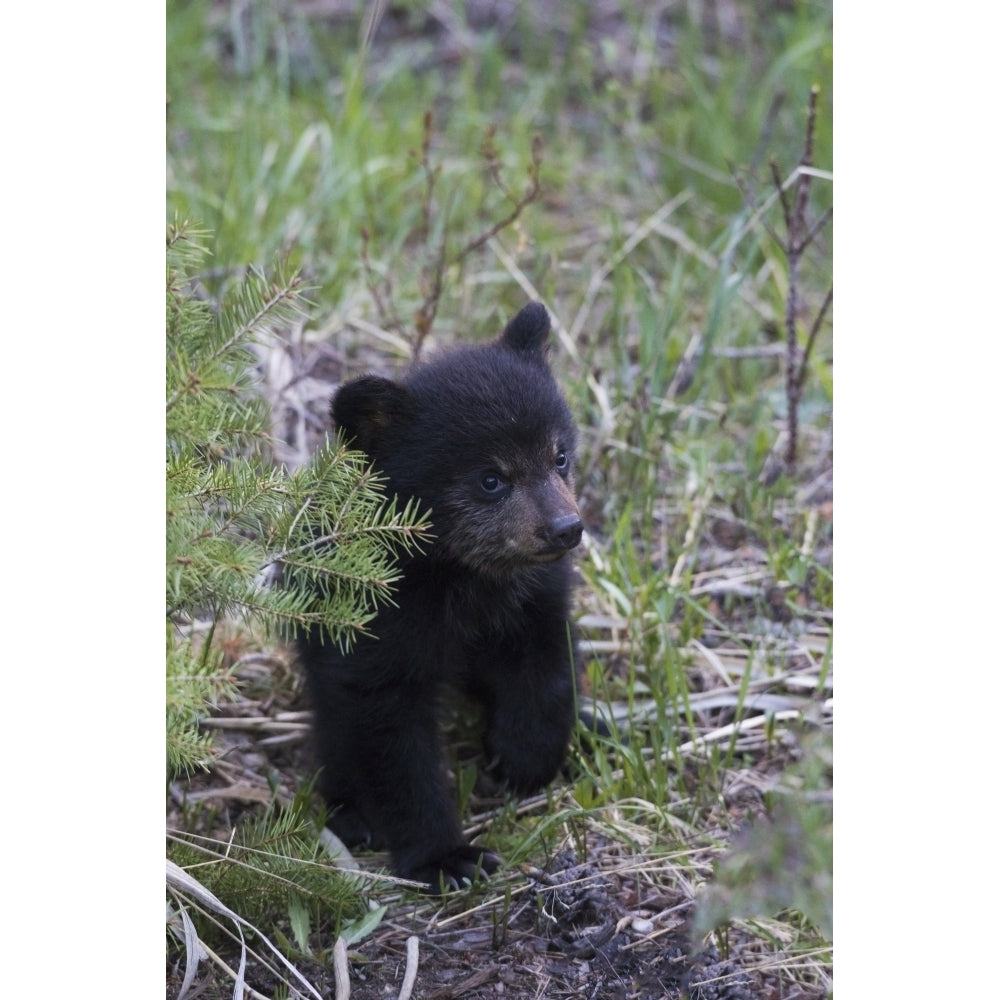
(483, 439)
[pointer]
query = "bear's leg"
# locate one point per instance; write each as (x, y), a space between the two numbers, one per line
(336, 738)
(405, 767)
(527, 691)
(381, 747)
(338, 778)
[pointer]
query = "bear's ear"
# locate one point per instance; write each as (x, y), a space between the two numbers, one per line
(367, 410)
(528, 331)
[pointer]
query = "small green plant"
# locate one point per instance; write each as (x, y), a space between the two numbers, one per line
(784, 860)
(237, 526)
(273, 863)
(234, 520)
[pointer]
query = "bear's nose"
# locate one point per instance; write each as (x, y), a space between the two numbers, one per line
(564, 532)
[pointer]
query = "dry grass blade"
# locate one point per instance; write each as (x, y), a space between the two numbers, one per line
(601, 275)
(185, 885)
(700, 743)
(529, 289)
(691, 538)
(193, 951)
(341, 972)
(412, 962)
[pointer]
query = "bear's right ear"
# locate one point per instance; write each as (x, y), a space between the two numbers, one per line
(367, 410)
(528, 331)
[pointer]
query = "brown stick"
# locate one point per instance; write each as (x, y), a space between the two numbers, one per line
(799, 237)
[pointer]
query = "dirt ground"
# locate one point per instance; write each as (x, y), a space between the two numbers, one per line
(590, 927)
(574, 932)
(579, 950)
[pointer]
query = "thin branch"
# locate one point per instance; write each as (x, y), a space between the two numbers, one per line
(813, 331)
(786, 209)
(530, 194)
(434, 273)
(382, 302)
(817, 226)
(799, 236)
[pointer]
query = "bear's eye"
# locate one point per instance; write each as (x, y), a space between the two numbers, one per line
(562, 461)
(491, 483)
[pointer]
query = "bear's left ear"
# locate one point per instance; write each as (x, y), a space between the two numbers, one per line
(528, 331)
(368, 411)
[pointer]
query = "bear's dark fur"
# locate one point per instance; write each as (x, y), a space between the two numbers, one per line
(482, 438)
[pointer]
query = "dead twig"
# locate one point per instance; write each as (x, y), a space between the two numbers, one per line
(439, 258)
(433, 276)
(798, 237)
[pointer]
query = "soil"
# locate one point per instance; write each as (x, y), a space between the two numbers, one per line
(594, 927)
(527, 968)
(576, 932)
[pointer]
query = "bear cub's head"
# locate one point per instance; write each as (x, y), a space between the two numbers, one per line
(481, 437)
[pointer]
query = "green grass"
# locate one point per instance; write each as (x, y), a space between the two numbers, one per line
(653, 243)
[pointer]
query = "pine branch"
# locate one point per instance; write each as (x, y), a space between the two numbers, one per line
(249, 315)
(231, 515)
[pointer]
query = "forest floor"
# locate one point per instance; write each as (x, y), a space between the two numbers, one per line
(697, 570)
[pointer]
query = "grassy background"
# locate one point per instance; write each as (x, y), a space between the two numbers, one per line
(295, 131)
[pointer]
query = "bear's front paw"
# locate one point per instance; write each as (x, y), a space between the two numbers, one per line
(461, 865)
(523, 772)
(347, 822)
